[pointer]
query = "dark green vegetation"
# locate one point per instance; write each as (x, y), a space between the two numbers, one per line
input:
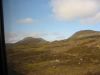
(78, 55)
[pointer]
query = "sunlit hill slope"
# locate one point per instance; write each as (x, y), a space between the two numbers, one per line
(77, 55)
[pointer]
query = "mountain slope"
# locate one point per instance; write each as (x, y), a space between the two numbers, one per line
(77, 55)
(29, 42)
(86, 38)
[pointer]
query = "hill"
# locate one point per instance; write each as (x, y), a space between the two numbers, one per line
(77, 55)
(30, 40)
(85, 34)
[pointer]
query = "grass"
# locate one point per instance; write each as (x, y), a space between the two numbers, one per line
(66, 57)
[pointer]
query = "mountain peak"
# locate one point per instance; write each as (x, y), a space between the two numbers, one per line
(85, 33)
(31, 40)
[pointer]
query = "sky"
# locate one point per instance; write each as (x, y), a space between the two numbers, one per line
(49, 19)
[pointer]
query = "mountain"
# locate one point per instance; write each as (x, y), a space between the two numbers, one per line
(78, 55)
(85, 34)
(87, 38)
(30, 42)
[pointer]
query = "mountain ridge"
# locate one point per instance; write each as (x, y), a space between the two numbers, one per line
(75, 55)
(81, 32)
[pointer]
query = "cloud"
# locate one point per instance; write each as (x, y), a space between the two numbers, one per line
(75, 9)
(61, 37)
(12, 37)
(55, 33)
(91, 21)
(26, 21)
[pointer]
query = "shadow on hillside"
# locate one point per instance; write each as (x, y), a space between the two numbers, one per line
(12, 72)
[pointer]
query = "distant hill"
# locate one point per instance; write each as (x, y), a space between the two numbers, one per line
(30, 42)
(78, 55)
